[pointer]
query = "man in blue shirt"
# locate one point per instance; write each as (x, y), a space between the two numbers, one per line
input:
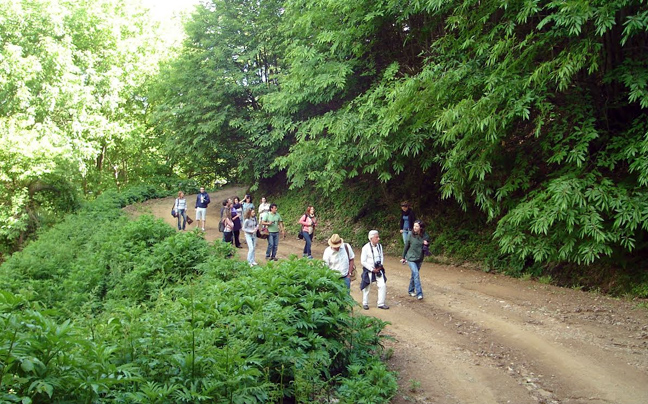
(202, 201)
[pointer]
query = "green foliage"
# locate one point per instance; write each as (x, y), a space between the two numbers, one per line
(205, 103)
(162, 316)
(505, 106)
(71, 119)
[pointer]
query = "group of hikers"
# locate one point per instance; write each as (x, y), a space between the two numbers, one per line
(266, 223)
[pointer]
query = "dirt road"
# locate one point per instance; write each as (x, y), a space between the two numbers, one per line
(483, 338)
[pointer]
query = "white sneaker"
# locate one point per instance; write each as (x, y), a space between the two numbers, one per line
(420, 297)
(254, 263)
(412, 294)
(203, 229)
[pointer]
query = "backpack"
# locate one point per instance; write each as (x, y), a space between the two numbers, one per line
(352, 269)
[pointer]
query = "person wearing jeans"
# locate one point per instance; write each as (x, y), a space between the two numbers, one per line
(407, 220)
(413, 256)
(249, 228)
(181, 210)
(308, 222)
(273, 220)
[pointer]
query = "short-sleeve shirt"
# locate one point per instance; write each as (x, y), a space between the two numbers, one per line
(339, 260)
(275, 218)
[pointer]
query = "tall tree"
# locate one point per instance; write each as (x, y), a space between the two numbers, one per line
(206, 103)
(533, 111)
(69, 106)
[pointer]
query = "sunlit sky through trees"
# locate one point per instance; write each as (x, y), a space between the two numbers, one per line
(169, 13)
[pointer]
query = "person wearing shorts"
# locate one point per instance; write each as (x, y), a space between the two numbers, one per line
(202, 201)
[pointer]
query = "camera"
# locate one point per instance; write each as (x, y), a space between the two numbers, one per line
(378, 266)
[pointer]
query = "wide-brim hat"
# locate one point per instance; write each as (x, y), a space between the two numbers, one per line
(335, 241)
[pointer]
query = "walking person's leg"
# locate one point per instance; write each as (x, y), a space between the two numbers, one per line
(411, 290)
(269, 249)
(250, 255)
(415, 280)
(201, 214)
(179, 216)
(184, 219)
(237, 241)
(382, 292)
(307, 245)
(405, 236)
(253, 252)
(204, 218)
(365, 296)
(275, 246)
(304, 235)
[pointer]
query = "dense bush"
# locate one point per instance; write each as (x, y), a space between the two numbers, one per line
(103, 309)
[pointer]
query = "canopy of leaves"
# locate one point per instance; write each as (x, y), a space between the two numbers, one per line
(206, 102)
(533, 111)
(71, 109)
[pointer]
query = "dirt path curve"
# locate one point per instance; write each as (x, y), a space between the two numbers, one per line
(483, 338)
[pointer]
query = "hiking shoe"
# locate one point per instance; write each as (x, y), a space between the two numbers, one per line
(365, 306)
(385, 307)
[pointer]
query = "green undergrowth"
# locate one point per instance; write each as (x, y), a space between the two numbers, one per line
(105, 309)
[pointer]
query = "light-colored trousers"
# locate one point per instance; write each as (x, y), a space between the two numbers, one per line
(382, 292)
(251, 243)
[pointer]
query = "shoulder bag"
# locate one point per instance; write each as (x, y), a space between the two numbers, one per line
(352, 268)
(263, 232)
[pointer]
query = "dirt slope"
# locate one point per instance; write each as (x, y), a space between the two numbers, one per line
(482, 338)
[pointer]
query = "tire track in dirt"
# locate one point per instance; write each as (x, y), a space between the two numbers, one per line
(483, 338)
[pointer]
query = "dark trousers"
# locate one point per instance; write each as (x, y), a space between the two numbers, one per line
(308, 241)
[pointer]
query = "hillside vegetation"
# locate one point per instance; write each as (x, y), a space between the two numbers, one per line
(107, 309)
(517, 127)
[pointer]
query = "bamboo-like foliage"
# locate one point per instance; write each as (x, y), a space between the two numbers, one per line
(532, 111)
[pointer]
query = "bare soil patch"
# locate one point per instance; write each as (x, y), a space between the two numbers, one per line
(485, 338)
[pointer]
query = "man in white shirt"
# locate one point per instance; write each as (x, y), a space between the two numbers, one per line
(339, 257)
(373, 271)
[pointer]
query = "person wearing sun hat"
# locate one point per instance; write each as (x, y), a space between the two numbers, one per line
(339, 257)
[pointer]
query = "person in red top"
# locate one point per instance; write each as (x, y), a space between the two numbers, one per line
(308, 222)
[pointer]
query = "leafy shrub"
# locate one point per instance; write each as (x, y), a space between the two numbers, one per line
(147, 314)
